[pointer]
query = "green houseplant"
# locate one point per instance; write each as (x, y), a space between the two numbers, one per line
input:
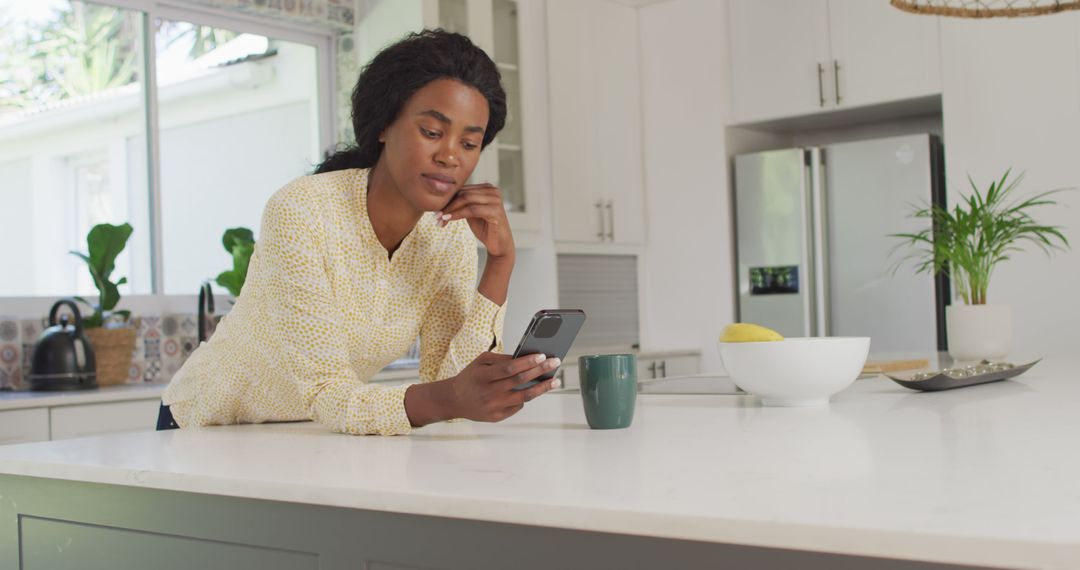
(967, 243)
(240, 244)
(107, 328)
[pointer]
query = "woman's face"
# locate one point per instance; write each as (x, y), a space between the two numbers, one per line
(432, 147)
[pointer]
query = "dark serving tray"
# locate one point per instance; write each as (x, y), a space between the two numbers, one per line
(943, 381)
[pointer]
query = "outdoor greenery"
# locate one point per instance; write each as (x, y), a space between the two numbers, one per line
(104, 244)
(204, 39)
(982, 231)
(83, 49)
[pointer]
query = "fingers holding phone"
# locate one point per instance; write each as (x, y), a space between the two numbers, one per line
(483, 391)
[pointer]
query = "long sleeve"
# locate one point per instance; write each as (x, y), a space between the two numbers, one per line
(460, 324)
(303, 314)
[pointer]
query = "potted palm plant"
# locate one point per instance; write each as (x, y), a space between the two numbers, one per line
(967, 243)
(108, 329)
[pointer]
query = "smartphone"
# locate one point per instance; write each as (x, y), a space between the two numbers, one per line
(550, 332)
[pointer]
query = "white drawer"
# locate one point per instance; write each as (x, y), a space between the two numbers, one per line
(93, 419)
(24, 426)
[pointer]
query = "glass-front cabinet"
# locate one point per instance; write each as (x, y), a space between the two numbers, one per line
(494, 26)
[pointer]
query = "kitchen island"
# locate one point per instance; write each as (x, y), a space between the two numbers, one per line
(884, 477)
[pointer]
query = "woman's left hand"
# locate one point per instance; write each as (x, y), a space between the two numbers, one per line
(482, 206)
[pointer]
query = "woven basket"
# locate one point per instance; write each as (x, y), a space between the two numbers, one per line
(112, 351)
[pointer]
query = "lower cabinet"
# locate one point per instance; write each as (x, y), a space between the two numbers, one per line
(24, 426)
(30, 425)
(667, 366)
(568, 373)
(94, 419)
(648, 368)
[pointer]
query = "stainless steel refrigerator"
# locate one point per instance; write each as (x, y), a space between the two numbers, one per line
(814, 252)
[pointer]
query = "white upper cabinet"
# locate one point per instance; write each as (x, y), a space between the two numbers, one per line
(596, 147)
(883, 54)
(779, 54)
(797, 57)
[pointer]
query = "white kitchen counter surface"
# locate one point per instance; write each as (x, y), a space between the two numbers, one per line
(20, 399)
(987, 475)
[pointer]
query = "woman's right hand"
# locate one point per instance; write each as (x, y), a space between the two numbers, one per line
(483, 390)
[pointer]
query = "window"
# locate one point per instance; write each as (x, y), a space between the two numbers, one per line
(238, 119)
(71, 97)
(178, 121)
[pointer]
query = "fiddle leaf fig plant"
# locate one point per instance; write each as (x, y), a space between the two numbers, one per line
(240, 243)
(983, 230)
(104, 243)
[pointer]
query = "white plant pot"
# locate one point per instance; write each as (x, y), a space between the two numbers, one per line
(979, 332)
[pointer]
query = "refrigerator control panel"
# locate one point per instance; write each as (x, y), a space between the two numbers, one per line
(779, 280)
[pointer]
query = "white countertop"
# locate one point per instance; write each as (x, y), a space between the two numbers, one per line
(986, 475)
(20, 399)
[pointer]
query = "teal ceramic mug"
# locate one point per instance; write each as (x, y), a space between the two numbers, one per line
(608, 389)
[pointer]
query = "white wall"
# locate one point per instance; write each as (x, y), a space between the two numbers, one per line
(213, 180)
(1012, 99)
(688, 260)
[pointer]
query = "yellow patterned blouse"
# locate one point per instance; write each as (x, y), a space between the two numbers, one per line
(324, 308)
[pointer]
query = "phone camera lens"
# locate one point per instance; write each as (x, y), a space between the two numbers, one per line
(548, 326)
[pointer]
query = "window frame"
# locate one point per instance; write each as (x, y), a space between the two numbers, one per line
(322, 38)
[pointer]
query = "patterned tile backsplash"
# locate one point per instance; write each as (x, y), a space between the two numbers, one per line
(161, 346)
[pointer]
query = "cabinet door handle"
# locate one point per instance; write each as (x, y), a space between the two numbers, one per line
(820, 84)
(600, 214)
(836, 80)
(652, 370)
(611, 220)
(663, 369)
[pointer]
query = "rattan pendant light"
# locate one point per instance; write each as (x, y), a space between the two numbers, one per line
(986, 8)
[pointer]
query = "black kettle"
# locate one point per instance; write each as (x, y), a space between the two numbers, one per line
(63, 358)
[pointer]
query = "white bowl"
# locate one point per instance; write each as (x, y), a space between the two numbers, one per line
(795, 371)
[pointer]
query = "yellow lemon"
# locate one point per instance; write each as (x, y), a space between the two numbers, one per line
(748, 332)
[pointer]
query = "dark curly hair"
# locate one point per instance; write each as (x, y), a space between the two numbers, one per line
(399, 71)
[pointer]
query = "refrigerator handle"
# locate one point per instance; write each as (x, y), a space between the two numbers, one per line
(806, 264)
(819, 255)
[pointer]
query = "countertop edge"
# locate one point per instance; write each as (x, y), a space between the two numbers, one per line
(906, 545)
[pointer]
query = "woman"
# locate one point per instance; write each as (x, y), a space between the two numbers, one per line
(375, 248)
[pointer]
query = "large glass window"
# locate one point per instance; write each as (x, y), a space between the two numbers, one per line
(238, 115)
(238, 118)
(71, 107)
